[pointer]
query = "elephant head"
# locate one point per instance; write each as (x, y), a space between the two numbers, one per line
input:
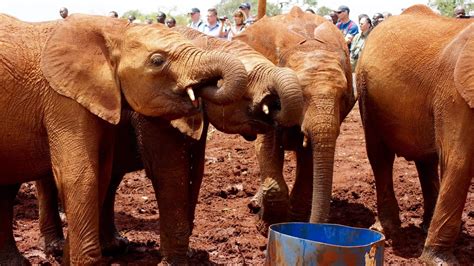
(95, 60)
(316, 51)
(273, 94)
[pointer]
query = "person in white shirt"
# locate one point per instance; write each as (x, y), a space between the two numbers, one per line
(239, 24)
(196, 22)
(213, 27)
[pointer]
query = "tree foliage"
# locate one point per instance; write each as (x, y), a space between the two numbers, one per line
(324, 10)
(181, 19)
(227, 7)
(446, 7)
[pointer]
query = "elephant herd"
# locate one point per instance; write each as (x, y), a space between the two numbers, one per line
(89, 98)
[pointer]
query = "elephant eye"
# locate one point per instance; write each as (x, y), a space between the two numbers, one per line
(157, 60)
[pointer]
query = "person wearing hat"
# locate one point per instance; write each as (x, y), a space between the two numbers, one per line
(245, 7)
(348, 28)
(196, 22)
(161, 17)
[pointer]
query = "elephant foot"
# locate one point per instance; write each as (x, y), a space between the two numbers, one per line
(114, 245)
(433, 256)
(271, 212)
(53, 247)
(255, 203)
(388, 228)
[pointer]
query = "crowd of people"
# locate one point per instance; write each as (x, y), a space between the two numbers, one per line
(221, 26)
(355, 34)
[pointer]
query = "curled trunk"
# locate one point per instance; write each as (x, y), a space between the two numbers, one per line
(233, 73)
(290, 93)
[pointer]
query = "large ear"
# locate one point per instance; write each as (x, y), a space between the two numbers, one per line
(464, 70)
(192, 126)
(78, 63)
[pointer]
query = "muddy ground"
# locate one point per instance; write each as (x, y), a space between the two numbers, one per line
(225, 230)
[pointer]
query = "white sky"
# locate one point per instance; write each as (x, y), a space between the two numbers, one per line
(41, 10)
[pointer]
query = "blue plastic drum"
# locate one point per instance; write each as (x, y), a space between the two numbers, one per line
(323, 244)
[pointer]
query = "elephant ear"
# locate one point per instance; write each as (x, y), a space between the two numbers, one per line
(464, 70)
(192, 126)
(79, 62)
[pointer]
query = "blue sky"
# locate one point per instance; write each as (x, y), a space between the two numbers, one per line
(41, 10)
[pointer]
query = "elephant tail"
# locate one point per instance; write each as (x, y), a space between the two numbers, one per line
(361, 85)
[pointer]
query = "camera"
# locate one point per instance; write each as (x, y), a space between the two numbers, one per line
(222, 18)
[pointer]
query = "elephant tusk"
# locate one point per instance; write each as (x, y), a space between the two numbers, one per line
(191, 94)
(305, 141)
(192, 97)
(265, 109)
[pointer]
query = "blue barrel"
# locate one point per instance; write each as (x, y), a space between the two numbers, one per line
(323, 244)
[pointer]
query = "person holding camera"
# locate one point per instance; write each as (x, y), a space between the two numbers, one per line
(239, 24)
(214, 27)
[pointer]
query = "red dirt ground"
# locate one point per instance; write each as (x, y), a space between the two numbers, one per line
(225, 230)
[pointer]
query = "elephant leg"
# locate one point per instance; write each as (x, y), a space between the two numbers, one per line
(49, 220)
(111, 241)
(126, 159)
(446, 222)
(82, 167)
(301, 194)
(381, 159)
(197, 159)
(9, 253)
(429, 180)
(167, 164)
(274, 191)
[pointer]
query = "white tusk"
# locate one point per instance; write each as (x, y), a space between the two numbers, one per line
(305, 141)
(265, 109)
(191, 94)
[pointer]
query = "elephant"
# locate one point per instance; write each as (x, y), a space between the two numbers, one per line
(317, 52)
(172, 153)
(415, 80)
(63, 85)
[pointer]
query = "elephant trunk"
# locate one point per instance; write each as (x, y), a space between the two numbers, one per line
(233, 73)
(290, 93)
(323, 142)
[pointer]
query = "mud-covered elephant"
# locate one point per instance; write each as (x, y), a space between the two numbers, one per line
(416, 84)
(316, 50)
(173, 152)
(63, 85)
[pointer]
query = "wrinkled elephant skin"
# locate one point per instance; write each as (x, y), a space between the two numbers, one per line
(62, 88)
(316, 51)
(418, 103)
(173, 152)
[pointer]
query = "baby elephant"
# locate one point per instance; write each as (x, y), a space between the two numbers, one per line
(172, 153)
(416, 85)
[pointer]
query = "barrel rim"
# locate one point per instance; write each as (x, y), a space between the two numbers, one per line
(381, 240)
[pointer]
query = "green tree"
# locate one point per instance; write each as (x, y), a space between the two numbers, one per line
(138, 15)
(311, 3)
(227, 7)
(446, 7)
(323, 11)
